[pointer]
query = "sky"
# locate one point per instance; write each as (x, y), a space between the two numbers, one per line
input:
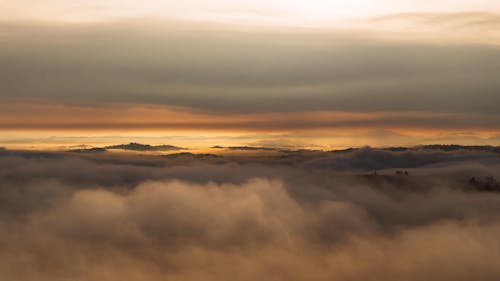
(305, 74)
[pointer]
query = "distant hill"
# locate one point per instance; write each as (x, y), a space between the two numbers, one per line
(362, 151)
(191, 155)
(144, 147)
(439, 147)
(245, 148)
(454, 147)
(88, 150)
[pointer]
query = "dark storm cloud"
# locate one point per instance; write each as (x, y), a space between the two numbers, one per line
(223, 69)
(111, 216)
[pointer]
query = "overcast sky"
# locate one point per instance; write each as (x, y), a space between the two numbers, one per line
(276, 11)
(390, 65)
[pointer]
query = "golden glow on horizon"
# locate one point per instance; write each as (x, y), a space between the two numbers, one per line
(156, 118)
(26, 125)
(201, 142)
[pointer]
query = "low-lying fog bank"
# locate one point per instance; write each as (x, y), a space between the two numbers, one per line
(366, 214)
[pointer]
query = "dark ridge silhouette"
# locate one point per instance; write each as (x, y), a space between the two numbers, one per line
(248, 148)
(434, 147)
(191, 155)
(347, 150)
(144, 147)
(88, 150)
(301, 151)
(440, 147)
(396, 149)
(455, 147)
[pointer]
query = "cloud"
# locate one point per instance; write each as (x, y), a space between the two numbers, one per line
(113, 216)
(267, 13)
(244, 70)
(462, 20)
(126, 116)
(376, 159)
(474, 27)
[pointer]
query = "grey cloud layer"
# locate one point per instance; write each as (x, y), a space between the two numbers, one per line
(457, 21)
(109, 217)
(244, 71)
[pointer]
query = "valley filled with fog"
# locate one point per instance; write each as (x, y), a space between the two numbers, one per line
(360, 214)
